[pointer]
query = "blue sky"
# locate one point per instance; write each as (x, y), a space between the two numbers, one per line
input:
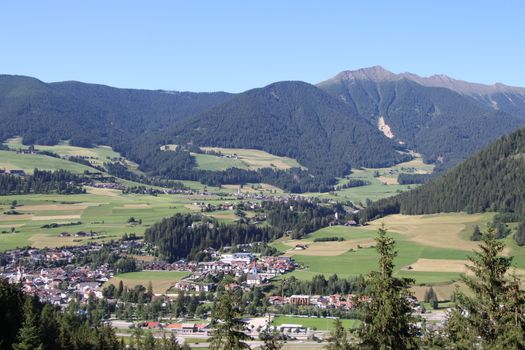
(237, 45)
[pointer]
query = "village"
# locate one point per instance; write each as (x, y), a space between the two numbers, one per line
(55, 275)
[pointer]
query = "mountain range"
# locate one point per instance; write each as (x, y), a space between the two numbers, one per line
(443, 119)
(369, 117)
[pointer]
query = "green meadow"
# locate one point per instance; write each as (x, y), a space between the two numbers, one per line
(383, 182)
(250, 159)
(105, 212)
(431, 248)
(28, 162)
(161, 281)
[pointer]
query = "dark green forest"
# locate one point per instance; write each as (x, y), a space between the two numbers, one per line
(491, 180)
(292, 119)
(41, 181)
(186, 236)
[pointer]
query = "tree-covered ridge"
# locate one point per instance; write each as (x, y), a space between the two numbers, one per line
(292, 119)
(436, 122)
(88, 114)
(491, 180)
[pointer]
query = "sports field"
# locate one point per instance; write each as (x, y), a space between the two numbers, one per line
(313, 322)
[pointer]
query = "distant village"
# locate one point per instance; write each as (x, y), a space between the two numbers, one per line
(53, 276)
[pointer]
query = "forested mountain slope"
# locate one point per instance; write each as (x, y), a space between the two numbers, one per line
(292, 119)
(442, 124)
(87, 114)
(493, 179)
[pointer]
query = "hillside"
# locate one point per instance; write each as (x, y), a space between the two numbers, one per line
(89, 114)
(295, 120)
(435, 120)
(491, 180)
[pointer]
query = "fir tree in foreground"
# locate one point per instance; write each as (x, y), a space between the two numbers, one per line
(338, 338)
(385, 309)
(272, 340)
(28, 335)
(229, 328)
(494, 316)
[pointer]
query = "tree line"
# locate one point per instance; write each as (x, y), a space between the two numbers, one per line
(42, 181)
(186, 236)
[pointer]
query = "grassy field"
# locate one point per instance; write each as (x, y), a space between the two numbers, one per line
(431, 248)
(381, 186)
(96, 155)
(103, 211)
(28, 162)
(239, 158)
(313, 322)
(161, 281)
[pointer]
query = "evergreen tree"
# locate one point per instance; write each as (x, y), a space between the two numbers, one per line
(338, 337)
(28, 335)
(171, 343)
(520, 234)
(476, 234)
(385, 308)
(229, 329)
(431, 297)
(492, 318)
(502, 230)
(272, 340)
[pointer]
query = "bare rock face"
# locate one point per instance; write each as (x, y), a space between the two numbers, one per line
(380, 74)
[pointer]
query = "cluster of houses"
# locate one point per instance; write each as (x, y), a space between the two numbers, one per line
(209, 207)
(58, 285)
(337, 301)
(52, 274)
(258, 270)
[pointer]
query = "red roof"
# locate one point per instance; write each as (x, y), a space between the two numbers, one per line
(174, 326)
